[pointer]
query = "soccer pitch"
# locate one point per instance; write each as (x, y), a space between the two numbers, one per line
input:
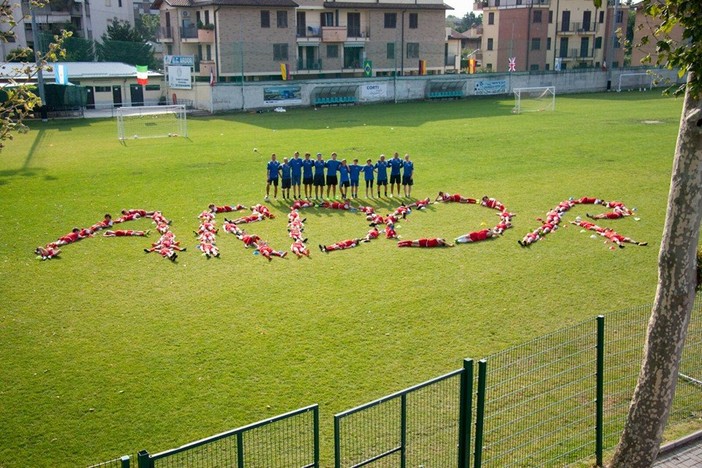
(107, 351)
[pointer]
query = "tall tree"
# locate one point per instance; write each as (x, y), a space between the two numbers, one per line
(123, 43)
(675, 295)
(19, 100)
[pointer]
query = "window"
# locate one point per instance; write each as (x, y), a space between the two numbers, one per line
(617, 44)
(534, 67)
(353, 57)
(548, 43)
(119, 3)
(550, 16)
(535, 43)
(280, 51)
(601, 17)
(282, 19)
(620, 16)
(153, 87)
(413, 50)
(413, 20)
(265, 19)
(489, 45)
(391, 50)
(491, 18)
(327, 19)
(390, 20)
(332, 51)
(537, 16)
(103, 89)
(208, 52)
(598, 42)
(207, 16)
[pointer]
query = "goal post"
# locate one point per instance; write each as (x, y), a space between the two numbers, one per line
(635, 81)
(151, 122)
(535, 99)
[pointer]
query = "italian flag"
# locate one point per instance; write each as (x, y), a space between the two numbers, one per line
(142, 74)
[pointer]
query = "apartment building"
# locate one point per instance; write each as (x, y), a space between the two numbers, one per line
(251, 39)
(536, 35)
(647, 26)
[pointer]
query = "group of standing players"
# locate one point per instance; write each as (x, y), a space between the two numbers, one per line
(316, 174)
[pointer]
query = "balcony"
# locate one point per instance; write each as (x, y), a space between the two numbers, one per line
(333, 34)
(479, 5)
(165, 34)
(188, 33)
(579, 28)
(576, 54)
(309, 65)
(205, 35)
(309, 34)
(206, 66)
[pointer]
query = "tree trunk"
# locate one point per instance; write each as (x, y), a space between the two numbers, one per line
(675, 295)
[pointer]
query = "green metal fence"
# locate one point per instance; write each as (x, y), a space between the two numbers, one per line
(418, 426)
(289, 440)
(121, 462)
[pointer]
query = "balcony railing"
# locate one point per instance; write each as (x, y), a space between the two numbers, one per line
(188, 32)
(576, 54)
(165, 33)
(303, 64)
(579, 28)
(309, 31)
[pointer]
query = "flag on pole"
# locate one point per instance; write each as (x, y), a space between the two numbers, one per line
(513, 64)
(212, 77)
(284, 72)
(367, 68)
(471, 66)
(61, 74)
(422, 67)
(142, 74)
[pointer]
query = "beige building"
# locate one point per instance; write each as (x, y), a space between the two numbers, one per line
(251, 39)
(539, 35)
(646, 26)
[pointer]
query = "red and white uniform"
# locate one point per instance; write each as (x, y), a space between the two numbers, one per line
(69, 238)
(390, 231)
(502, 226)
(530, 238)
(162, 228)
(402, 211)
(207, 236)
(226, 208)
(588, 201)
(368, 210)
(266, 250)
(376, 219)
(299, 204)
(335, 205)
(232, 228)
(158, 218)
(263, 210)
(206, 216)
(141, 213)
(125, 233)
(587, 225)
(207, 227)
(475, 236)
(448, 198)
(424, 242)
(341, 245)
(208, 249)
(104, 224)
(252, 218)
(492, 203)
(299, 249)
(373, 233)
(420, 204)
(249, 239)
(127, 217)
(47, 253)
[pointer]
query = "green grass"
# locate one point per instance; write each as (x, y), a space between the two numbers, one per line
(107, 351)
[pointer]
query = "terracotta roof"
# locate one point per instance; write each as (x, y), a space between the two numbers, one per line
(242, 3)
(389, 6)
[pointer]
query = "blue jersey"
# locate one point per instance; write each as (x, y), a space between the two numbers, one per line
(395, 165)
(332, 167)
(296, 165)
(382, 167)
(354, 172)
(409, 168)
(343, 173)
(319, 168)
(285, 169)
(307, 165)
(368, 171)
(272, 168)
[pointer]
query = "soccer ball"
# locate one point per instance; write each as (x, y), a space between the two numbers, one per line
(135, 137)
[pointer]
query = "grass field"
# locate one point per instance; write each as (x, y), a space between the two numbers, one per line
(107, 351)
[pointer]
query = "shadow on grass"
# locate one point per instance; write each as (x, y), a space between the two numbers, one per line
(26, 170)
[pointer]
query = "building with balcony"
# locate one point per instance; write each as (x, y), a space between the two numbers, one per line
(251, 39)
(551, 34)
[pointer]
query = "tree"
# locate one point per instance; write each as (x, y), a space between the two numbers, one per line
(147, 26)
(675, 294)
(122, 43)
(19, 100)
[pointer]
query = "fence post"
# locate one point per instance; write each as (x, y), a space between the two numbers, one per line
(337, 443)
(480, 413)
(316, 436)
(599, 406)
(403, 430)
(465, 416)
(240, 449)
(144, 459)
(125, 461)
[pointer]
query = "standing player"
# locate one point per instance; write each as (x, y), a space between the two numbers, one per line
(272, 169)
(344, 179)
(332, 180)
(407, 176)
(307, 177)
(286, 178)
(395, 166)
(319, 177)
(382, 167)
(368, 174)
(354, 173)
(296, 165)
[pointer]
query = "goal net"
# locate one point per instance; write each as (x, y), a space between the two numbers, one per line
(151, 122)
(534, 99)
(635, 82)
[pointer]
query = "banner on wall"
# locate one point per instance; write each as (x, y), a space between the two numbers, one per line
(371, 92)
(282, 95)
(484, 88)
(179, 77)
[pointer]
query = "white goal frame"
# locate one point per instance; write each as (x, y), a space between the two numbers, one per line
(543, 96)
(644, 83)
(151, 122)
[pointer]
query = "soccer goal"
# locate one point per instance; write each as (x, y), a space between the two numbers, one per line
(151, 122)
(534, 99)
(635, 82)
